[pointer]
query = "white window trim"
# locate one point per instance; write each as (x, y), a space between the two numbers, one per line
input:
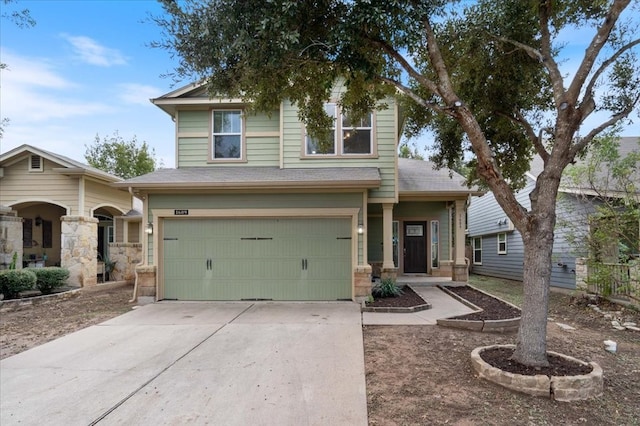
(474, 250)
(437, 243)
(505, 242)
(242, 134)
(338, 138)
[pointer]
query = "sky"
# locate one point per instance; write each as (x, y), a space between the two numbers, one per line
(86, 69)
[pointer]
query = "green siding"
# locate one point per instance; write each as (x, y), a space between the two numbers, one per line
(279, 259)
(263, 122)
(260, 151)
(193, 121)
(385, 140)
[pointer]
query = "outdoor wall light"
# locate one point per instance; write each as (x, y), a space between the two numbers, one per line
(360, 229)
(149, 228)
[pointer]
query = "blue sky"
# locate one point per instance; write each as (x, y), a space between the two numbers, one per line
(86, 69)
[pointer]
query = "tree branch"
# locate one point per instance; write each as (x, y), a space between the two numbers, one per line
(603, 67)
(386, 47)
(594, 48)
(416, 98)
(550, 64)
(577, 147)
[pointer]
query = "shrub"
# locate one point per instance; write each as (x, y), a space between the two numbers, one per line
(386, 288)
(13, 281)
(50, 278)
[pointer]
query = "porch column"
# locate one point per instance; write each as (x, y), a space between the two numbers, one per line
(460, 269)
(388, 267)
(10, 241)
(80, 249)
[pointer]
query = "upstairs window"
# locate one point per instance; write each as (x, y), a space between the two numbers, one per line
(350, 137)
(227, 135)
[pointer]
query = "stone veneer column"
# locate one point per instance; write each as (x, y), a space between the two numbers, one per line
(362, 282)
(460, 267)
(146, 281)
(80, 249)
(10, 241)
(581, 273)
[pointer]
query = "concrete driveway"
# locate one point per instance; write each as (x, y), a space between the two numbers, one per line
(196, 363)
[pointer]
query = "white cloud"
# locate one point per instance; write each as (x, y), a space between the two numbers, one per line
(134, 93)
(33, 92)
(91, 52)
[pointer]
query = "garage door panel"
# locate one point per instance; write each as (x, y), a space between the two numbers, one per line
(278, 259)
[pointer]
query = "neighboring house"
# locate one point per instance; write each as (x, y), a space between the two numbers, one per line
(256, 209)
(55, 211)
(496, 247)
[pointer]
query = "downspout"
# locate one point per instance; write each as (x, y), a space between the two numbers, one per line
(135, 270)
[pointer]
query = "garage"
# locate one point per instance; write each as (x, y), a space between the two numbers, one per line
(257, 259)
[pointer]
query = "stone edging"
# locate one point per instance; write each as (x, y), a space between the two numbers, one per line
(15, 304)
(425, 306)
(560, 388)
(485, 326)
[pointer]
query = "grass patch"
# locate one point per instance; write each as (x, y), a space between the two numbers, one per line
(508, 290)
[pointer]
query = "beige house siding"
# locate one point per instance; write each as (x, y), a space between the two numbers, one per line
(20, 185)
(98, 195)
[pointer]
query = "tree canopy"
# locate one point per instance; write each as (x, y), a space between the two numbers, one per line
(125, 159)
(485, 76)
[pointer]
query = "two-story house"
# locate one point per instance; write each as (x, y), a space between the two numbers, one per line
(256, 209)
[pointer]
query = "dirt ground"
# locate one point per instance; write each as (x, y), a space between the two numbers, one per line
(416, 375)
(422, 375)
(34, 325)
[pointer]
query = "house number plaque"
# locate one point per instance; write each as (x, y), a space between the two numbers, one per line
(183, 212)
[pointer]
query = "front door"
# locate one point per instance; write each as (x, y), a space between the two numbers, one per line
(415, 247)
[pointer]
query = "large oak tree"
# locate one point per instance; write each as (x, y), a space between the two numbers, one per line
(484, 76)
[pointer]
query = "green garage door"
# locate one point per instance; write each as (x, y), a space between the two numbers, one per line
(276, 259)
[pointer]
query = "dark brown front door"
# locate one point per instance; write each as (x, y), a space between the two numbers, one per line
(415, 247)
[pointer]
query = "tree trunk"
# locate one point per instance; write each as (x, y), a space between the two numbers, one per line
(531, 344)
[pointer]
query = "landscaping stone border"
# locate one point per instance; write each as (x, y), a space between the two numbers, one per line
(560, 388)
(486, 326)
(17, 304)
(425, 306)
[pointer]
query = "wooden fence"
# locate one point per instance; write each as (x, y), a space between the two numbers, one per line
(613, 279)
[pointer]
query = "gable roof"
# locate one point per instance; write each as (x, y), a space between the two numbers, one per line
(256, 178)
(69, 166)
(191, 94)
(417, 177)
(626, 146)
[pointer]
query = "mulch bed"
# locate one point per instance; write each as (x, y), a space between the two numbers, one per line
(500, 358)
(493, 309)
(407, 299)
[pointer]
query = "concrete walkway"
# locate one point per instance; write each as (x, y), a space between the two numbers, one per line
(196, 363)
(442, 304)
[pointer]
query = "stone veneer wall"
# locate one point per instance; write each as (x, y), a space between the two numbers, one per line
(362, 278)
(582, 273)
(146, 281)
(10, 241)
(80, 249)
(126, 256)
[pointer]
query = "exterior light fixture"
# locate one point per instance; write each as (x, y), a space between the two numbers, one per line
(360, 229)
(149, 228)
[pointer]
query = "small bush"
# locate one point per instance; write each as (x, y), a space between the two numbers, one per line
(50, 278)
(13, 281)
(386, 288)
